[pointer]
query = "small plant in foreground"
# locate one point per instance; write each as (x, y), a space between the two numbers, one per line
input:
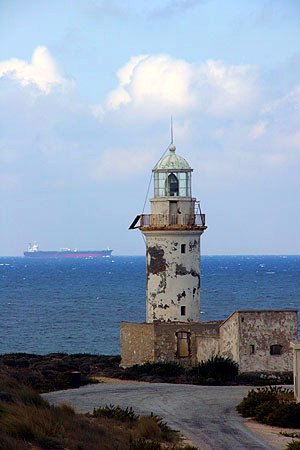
(142, 444)
(116, 412)
(291, 435)
(294, 445)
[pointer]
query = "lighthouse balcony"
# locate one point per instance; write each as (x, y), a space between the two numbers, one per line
(187, 221)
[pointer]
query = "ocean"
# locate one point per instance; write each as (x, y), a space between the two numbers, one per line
(75, 306)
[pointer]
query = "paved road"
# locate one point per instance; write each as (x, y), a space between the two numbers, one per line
(204, 414)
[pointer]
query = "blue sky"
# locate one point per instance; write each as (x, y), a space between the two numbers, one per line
(86, 93)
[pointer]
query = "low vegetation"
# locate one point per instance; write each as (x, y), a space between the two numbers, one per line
(272, 406)
(58, 371)
(27, 421)
(216, 369)
(293, 445)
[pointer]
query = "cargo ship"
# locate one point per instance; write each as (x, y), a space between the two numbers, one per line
(34, 252)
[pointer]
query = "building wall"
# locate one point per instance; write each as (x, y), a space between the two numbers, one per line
(261, 329)
(229, 338)
(158, 341)
(137, 343)
(149, 342)
(161, 205)
(207, 346)
(173, 278)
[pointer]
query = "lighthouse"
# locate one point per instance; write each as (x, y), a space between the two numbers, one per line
(172, 233)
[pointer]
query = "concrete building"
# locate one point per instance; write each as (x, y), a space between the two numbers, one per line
(259, 341)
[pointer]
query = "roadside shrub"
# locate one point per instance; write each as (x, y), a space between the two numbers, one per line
(161, 369)
(216, 368)
(116, 412)
(257, 397)
(272, 406)
(294, 445)
(167, 433)
(254, 399)
(285, 415)
(290, 434)
(147, 427)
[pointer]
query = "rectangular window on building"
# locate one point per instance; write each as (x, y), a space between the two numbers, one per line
(252, 349)
(182, 310)
(183, 247)
(183, 344)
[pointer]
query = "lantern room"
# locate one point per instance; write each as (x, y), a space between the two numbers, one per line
(172, 176)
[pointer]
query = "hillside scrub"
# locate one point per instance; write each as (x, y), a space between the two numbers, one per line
(272, 406)
(57, 371)
(27, 421)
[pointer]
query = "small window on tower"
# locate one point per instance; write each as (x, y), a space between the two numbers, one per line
(275, 349)
(252, 349)
(183, 247)
(182, 310)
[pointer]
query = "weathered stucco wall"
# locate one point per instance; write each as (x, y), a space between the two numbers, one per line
(137, 343)
(161, 205)
(207, 346)
(148, 342)
(246, 337)
(229, 338)
(173, 277)
(166, 340)
(259, 330)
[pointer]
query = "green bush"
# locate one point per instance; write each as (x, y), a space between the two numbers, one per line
(254, 399)
(285, 415)
(272, 406)
(116, 412)
(294, 445)
(215, 368)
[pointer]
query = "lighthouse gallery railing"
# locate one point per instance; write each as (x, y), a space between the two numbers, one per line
(166, 220)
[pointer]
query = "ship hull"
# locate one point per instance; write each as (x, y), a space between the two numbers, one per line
(69, 254)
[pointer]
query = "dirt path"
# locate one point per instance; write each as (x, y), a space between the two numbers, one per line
(204, 414)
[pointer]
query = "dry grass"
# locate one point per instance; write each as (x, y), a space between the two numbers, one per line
(28, 422)
(148, 428)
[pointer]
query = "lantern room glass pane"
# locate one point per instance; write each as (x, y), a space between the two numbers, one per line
(172, 184)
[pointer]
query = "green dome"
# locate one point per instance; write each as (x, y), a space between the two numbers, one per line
(172, 162)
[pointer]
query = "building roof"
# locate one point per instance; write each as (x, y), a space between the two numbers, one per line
(172, 162)
(245, 311)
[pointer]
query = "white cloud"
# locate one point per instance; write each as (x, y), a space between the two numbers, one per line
(159, 85)
(258, 129)
(121, 163)
(43, 71)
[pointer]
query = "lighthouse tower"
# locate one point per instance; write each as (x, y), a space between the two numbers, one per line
(172, 232)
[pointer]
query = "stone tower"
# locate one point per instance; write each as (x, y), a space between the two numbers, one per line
(172, 232)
